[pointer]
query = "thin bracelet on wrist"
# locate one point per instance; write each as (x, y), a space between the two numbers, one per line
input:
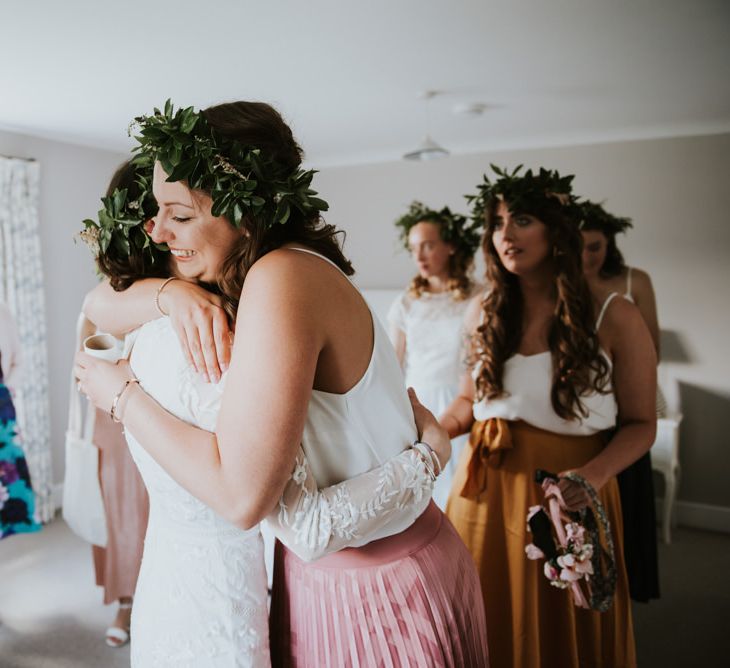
(434, 458)
(115, 404)
(430, 458)
(159, 292)
(427, 463)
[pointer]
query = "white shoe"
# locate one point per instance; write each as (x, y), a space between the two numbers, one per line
(115, 636)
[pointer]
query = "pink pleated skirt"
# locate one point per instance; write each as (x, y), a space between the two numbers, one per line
(412, 599)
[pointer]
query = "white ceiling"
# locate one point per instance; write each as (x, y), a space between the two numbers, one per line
(347, 75)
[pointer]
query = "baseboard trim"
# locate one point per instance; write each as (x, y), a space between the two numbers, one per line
(699, 515)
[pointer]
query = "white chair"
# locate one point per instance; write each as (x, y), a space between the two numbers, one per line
(665, 460)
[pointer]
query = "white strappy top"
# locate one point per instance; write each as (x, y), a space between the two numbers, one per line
(348, 434)
(528, 382)
(627, 295)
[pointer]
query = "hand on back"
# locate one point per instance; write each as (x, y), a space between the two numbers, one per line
(202, 326)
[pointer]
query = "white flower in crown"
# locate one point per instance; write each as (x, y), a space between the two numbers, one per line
(133, 128)
(90, 236)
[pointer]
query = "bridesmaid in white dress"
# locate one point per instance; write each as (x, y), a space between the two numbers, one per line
(426, 320)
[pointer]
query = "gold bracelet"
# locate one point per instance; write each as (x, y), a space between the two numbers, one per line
(159, 291)
(113, 412)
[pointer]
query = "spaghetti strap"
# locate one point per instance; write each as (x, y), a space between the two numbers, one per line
(602, 312)
(319, 255)
(628, 286)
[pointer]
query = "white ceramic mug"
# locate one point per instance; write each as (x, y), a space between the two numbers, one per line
(103, 346)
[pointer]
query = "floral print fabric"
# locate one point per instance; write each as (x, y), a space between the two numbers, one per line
(17, 506)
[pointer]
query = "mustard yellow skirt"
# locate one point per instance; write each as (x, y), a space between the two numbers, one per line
(530, 622)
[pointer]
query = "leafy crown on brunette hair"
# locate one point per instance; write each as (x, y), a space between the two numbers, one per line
(241, 180)
(524, 193)
(592, 216)
(120, 222)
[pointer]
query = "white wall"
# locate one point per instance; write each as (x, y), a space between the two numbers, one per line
(678, 193)
(72, 180)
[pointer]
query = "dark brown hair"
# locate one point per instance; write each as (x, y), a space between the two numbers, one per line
(124, 269)
(614, 263)
(593, 216)
(258, 125)
(578, 367)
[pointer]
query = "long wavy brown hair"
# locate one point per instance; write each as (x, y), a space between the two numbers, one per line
(259, 125)
(578, 366)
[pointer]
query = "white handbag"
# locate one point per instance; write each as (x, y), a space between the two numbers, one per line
(83, 505)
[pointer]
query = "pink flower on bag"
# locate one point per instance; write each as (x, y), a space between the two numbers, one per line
(534, 552)
(584, 567)
(575, 533)
(552, 574)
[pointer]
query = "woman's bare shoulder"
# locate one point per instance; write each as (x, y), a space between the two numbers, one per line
(621, 321)
(641, 280)
(285, 267)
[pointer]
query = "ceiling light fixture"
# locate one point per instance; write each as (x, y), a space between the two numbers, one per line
(428, 149)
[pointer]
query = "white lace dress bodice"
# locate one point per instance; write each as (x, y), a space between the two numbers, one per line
(433, 328)
(201, 596)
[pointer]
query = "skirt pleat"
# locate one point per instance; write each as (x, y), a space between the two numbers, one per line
(531, 623)
(409, 600)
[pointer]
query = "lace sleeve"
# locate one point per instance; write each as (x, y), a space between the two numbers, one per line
(314, 522)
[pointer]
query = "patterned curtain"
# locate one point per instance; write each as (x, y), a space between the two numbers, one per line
(21, 288)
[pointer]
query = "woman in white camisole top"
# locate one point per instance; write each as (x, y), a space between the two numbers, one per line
(313, 396)
(605, 268)
(560, 382)
(606, 271)
(426, 320)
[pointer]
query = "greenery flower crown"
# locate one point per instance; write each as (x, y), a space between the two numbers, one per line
(455, 228)
(592, 216)
(523, 193)
(120, 224)
(242, 181)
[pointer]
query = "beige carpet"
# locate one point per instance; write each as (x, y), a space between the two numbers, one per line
(51, 615)
(51, 612)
